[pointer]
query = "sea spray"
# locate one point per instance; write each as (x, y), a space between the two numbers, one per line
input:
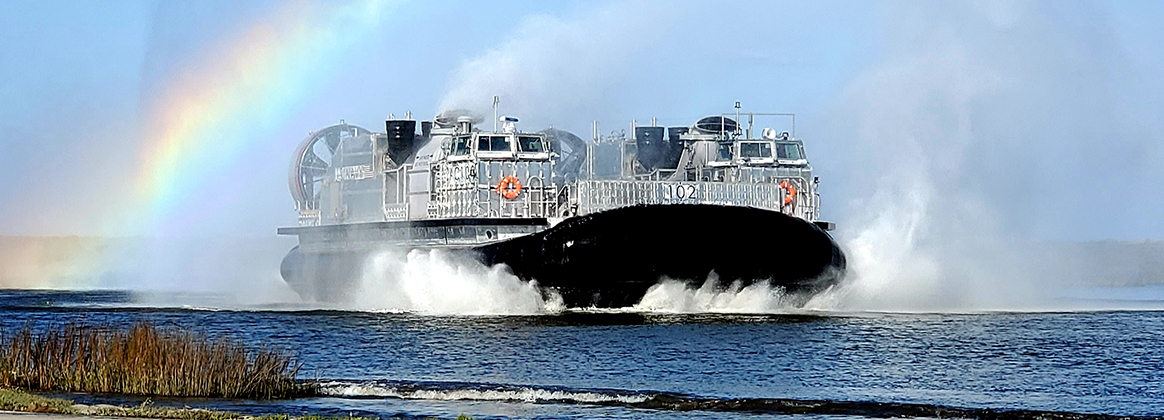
(442, 282)
(944, 207)
(712, 296)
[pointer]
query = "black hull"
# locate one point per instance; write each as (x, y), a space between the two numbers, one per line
(610, 259)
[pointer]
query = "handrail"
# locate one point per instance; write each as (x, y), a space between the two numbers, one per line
(752, 115)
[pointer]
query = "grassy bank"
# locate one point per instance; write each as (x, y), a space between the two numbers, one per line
(145, 360)
(16, 400)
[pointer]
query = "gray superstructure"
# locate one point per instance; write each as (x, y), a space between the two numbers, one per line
(452, 170)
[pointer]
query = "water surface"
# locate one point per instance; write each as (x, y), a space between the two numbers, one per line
(605, 364)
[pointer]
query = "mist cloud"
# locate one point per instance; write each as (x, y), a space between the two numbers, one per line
(972, 138)
(554, 68)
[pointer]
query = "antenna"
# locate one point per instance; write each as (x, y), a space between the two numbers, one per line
(496, 100)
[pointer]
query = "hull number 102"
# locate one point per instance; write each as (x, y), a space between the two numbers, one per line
(671, 192)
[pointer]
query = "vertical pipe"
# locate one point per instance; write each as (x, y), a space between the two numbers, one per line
(383, 191)
(737, 119)
(404, 188)
(622, 152)
(590, 153)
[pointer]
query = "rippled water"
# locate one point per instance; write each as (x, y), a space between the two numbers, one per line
(619, 364)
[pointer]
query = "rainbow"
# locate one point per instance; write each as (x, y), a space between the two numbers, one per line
(247, 86)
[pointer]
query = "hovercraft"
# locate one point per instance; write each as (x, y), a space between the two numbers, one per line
(596, 221)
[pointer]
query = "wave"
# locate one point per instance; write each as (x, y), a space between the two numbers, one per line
(650, 400)
(474, 392)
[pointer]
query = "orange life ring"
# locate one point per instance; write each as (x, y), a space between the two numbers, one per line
(788, 199)
(509, 187)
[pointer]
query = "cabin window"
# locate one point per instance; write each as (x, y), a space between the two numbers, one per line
(530, 144)
(725, 152)
(755, 150)
(461, 146)
(500, 144)
(493, 144)
(789, 151)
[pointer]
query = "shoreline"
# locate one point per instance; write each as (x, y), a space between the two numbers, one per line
(17, 404)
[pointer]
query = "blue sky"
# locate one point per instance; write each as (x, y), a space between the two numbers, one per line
(1042, 119)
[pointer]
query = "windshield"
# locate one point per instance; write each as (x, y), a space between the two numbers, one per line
(493, 144)
(789, 151)
(755, 150)
(530, 144)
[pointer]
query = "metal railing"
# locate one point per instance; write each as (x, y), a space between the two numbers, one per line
(397, 211)
(309, 218)
(599, 195)
(470, 190)
(747, 133)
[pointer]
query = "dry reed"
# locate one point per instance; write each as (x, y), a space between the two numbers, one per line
(145, 360)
